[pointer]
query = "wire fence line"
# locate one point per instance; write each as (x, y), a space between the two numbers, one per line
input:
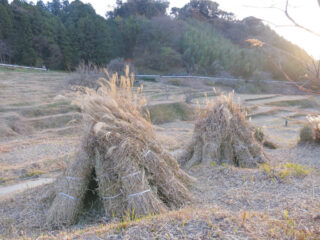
(217, 79)
(24, 67)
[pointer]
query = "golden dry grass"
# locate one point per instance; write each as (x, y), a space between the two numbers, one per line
(234, 203)
(222, 135)
(135, 174)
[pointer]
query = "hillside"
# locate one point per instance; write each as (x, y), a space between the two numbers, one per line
(196, 39)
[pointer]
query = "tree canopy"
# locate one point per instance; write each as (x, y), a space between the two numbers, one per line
(198, 38)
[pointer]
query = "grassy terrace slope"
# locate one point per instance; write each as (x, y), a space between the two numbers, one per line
(37, 124)
(40, 133)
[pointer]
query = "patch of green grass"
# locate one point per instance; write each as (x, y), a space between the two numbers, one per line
(213, 164)
(147, 79)
(295, 170)
(287, 170)
(259, 99)
(266, 113)
(256, 87)
(210, 84)
(301, 103)
(55, 121)
(307, 134)
(298, 115)
(50, 109)
(57, 104)
(175, 82)
(21, 104)
(164, 113)
(33, 173)
(2, 181)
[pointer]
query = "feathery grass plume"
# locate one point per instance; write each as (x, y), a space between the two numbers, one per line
(134, 173)
(222, 135)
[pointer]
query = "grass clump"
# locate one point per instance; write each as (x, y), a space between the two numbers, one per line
(33, 173)
(213, 164)
(176, 82)
(50, 109)
(261, 138)
(169, 112)
(307, 134)
(315, 125)
(285, 171)
(294, 170)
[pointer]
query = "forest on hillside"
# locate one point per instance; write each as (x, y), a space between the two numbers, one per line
(198, 38)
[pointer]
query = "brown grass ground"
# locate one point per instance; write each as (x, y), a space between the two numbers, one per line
(41, 136)
(231, 203)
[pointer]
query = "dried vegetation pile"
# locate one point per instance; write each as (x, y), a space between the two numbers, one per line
(222, 135)
(310, 133)
(135, 175)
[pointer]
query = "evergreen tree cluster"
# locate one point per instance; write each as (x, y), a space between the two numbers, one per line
(58, 35)
(198, 38)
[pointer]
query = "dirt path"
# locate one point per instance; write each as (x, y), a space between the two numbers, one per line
(7, 191)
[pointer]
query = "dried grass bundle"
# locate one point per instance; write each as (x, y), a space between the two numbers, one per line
(315, 125)
(317, 135)
(222, 135)
(70, 189)
(134, 174)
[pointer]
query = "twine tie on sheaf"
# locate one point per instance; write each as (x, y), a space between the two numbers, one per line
(131, 175)
(67, 196)
(146, 154)
(138, 194)
(74, 178)
(112, 197)
(130, 195)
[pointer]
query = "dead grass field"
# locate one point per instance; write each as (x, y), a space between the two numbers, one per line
(40, 133)
(38, 125)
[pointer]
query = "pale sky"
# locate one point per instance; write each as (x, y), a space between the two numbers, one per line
(306, 12)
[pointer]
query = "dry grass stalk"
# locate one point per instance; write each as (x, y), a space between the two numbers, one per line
(134, 174)
(222, 135)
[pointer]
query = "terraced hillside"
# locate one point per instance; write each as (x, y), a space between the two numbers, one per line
(41, 129)
(38, 124)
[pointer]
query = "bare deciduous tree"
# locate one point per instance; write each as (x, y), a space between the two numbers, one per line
(296, 24)
(312, 68)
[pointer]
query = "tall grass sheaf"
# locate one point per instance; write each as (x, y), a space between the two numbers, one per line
(134, 173)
